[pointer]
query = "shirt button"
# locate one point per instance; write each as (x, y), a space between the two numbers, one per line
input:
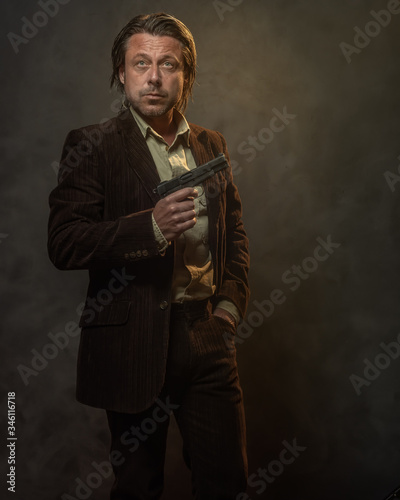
(164, 305)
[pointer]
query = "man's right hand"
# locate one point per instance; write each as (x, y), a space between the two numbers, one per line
(175, 213)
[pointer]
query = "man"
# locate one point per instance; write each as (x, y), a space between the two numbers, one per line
(168, 277)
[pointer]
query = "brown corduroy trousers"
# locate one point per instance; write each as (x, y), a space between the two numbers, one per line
(202, 390)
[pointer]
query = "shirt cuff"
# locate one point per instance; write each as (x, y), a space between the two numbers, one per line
(162, 243)
(230, 307)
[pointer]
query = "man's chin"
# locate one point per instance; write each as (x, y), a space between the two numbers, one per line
(154, 110)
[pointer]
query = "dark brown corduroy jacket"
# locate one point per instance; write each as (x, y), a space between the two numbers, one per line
(100, 220)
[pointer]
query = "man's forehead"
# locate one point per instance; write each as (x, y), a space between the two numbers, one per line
(145, 42)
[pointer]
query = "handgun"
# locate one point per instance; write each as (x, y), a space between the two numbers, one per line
(193, 177)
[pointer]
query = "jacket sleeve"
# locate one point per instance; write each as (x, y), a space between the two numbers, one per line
(78, 235)
(235, 285)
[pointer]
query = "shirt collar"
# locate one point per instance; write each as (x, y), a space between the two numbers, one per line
(183, 126)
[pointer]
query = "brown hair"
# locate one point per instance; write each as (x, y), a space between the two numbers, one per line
(159, 24)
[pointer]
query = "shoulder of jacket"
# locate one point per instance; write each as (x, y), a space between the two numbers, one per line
(213, 135)
(107, 125)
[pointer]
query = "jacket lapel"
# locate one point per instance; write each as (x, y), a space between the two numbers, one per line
(202, 153)
(201, 147)
(138, 154)
(139, 158)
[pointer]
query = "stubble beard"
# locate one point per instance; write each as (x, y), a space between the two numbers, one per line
(152, 109)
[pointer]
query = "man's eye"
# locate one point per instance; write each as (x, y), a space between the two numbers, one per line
(168, 64)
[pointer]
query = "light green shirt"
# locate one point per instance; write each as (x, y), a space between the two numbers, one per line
(193, 276)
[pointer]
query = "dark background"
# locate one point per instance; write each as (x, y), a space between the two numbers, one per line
(322, 175)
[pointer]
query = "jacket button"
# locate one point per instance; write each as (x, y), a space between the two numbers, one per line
(164, 305)
(145, 253)
(138, 253)
(133, 255)
(126, 256)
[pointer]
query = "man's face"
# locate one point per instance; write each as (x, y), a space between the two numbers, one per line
(153, 74)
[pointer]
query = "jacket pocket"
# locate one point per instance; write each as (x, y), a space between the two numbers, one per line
(116, 313)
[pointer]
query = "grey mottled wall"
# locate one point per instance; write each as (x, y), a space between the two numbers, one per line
(313, 365)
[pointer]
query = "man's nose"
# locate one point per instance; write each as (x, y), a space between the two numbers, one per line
(155, 75)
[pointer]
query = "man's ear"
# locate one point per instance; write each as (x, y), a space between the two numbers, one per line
(121, 74)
